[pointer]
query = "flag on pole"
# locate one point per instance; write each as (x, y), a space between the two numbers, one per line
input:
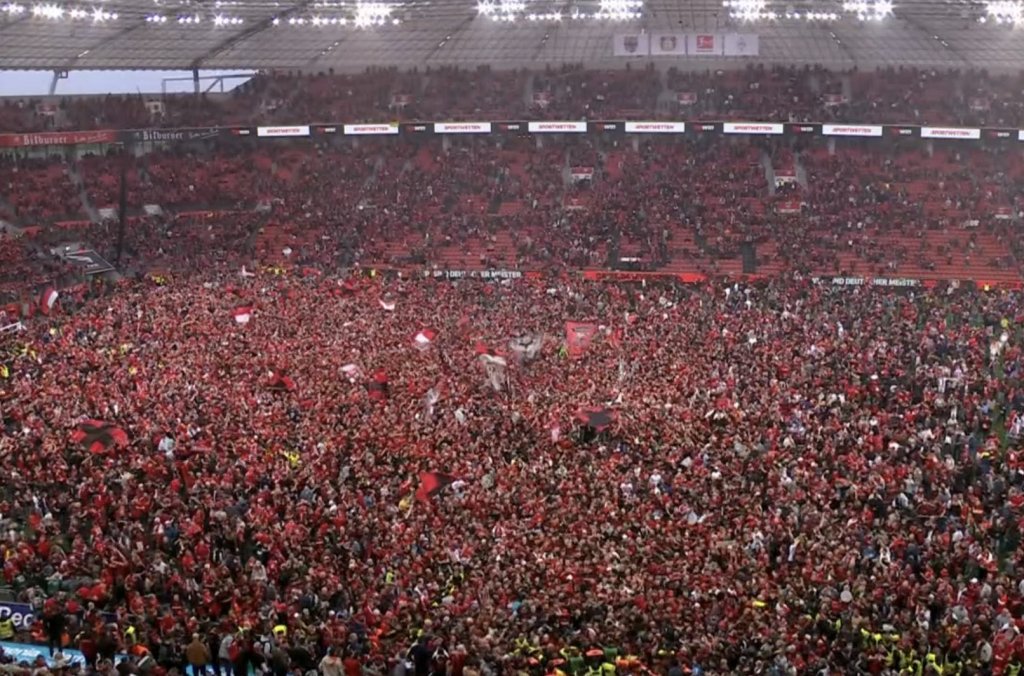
(47, 300)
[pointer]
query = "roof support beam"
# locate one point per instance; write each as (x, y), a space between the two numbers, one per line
(252, 31)
(463, 25)
(70, 63)
(914, 23)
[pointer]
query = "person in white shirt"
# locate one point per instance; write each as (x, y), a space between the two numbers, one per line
(331, 664)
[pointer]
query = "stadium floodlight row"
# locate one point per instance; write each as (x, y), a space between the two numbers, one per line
(831, 130)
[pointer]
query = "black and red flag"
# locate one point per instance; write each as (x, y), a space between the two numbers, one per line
(432, 483)
(377, 386)
(98, 436)
(281, 382)
(598, 418)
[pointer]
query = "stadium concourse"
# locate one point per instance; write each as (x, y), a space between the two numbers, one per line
(502, 403)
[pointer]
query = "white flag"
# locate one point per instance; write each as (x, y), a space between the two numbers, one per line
(495, 367)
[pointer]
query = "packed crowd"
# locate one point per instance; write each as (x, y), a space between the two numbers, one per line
(675, 205)
(903, 95)
(265, 449)
(384, 475)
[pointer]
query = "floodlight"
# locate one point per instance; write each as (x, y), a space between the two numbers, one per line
(1005, 11)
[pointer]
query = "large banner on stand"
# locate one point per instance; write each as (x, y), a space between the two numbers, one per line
(632, 44)
(694, 45)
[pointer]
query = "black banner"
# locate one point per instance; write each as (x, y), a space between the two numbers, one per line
(172, 135)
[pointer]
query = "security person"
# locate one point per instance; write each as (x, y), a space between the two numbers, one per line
(7, 629)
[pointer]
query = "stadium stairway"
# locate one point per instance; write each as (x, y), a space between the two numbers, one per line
(769, 173)
(75, 176)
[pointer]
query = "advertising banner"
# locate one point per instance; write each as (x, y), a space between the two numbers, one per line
(668, 44)
(756, 128)
(961, 133)
(272, 132)
(741, 44)
(866, 130)
(474, 274)
(172, 135)
(20, 613)
(704, 44)
(57, 138)
(462, 127)
(370, 129)
(631, 45)
(557, 127)
(868, 281)
(655, 127)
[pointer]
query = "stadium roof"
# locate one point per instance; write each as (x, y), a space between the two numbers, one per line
(308, 34)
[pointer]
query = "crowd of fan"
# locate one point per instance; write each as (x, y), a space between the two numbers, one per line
(683, 205)
(782, 478)
(247, 459)
(904, 95)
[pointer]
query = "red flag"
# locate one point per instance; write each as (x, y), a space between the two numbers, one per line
(378, 386)
(432, 483)
(578, 337)
(281, 382)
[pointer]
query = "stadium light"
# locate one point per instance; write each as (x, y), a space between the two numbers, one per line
(508, 11)
(619, 10)
(1005, 11)
(13, 9)
(372, 14)
(876, 10)
(749, 10)
(48, 12)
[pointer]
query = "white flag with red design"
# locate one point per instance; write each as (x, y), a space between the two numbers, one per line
(242, 314)
(48, 299)
(423, 339)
